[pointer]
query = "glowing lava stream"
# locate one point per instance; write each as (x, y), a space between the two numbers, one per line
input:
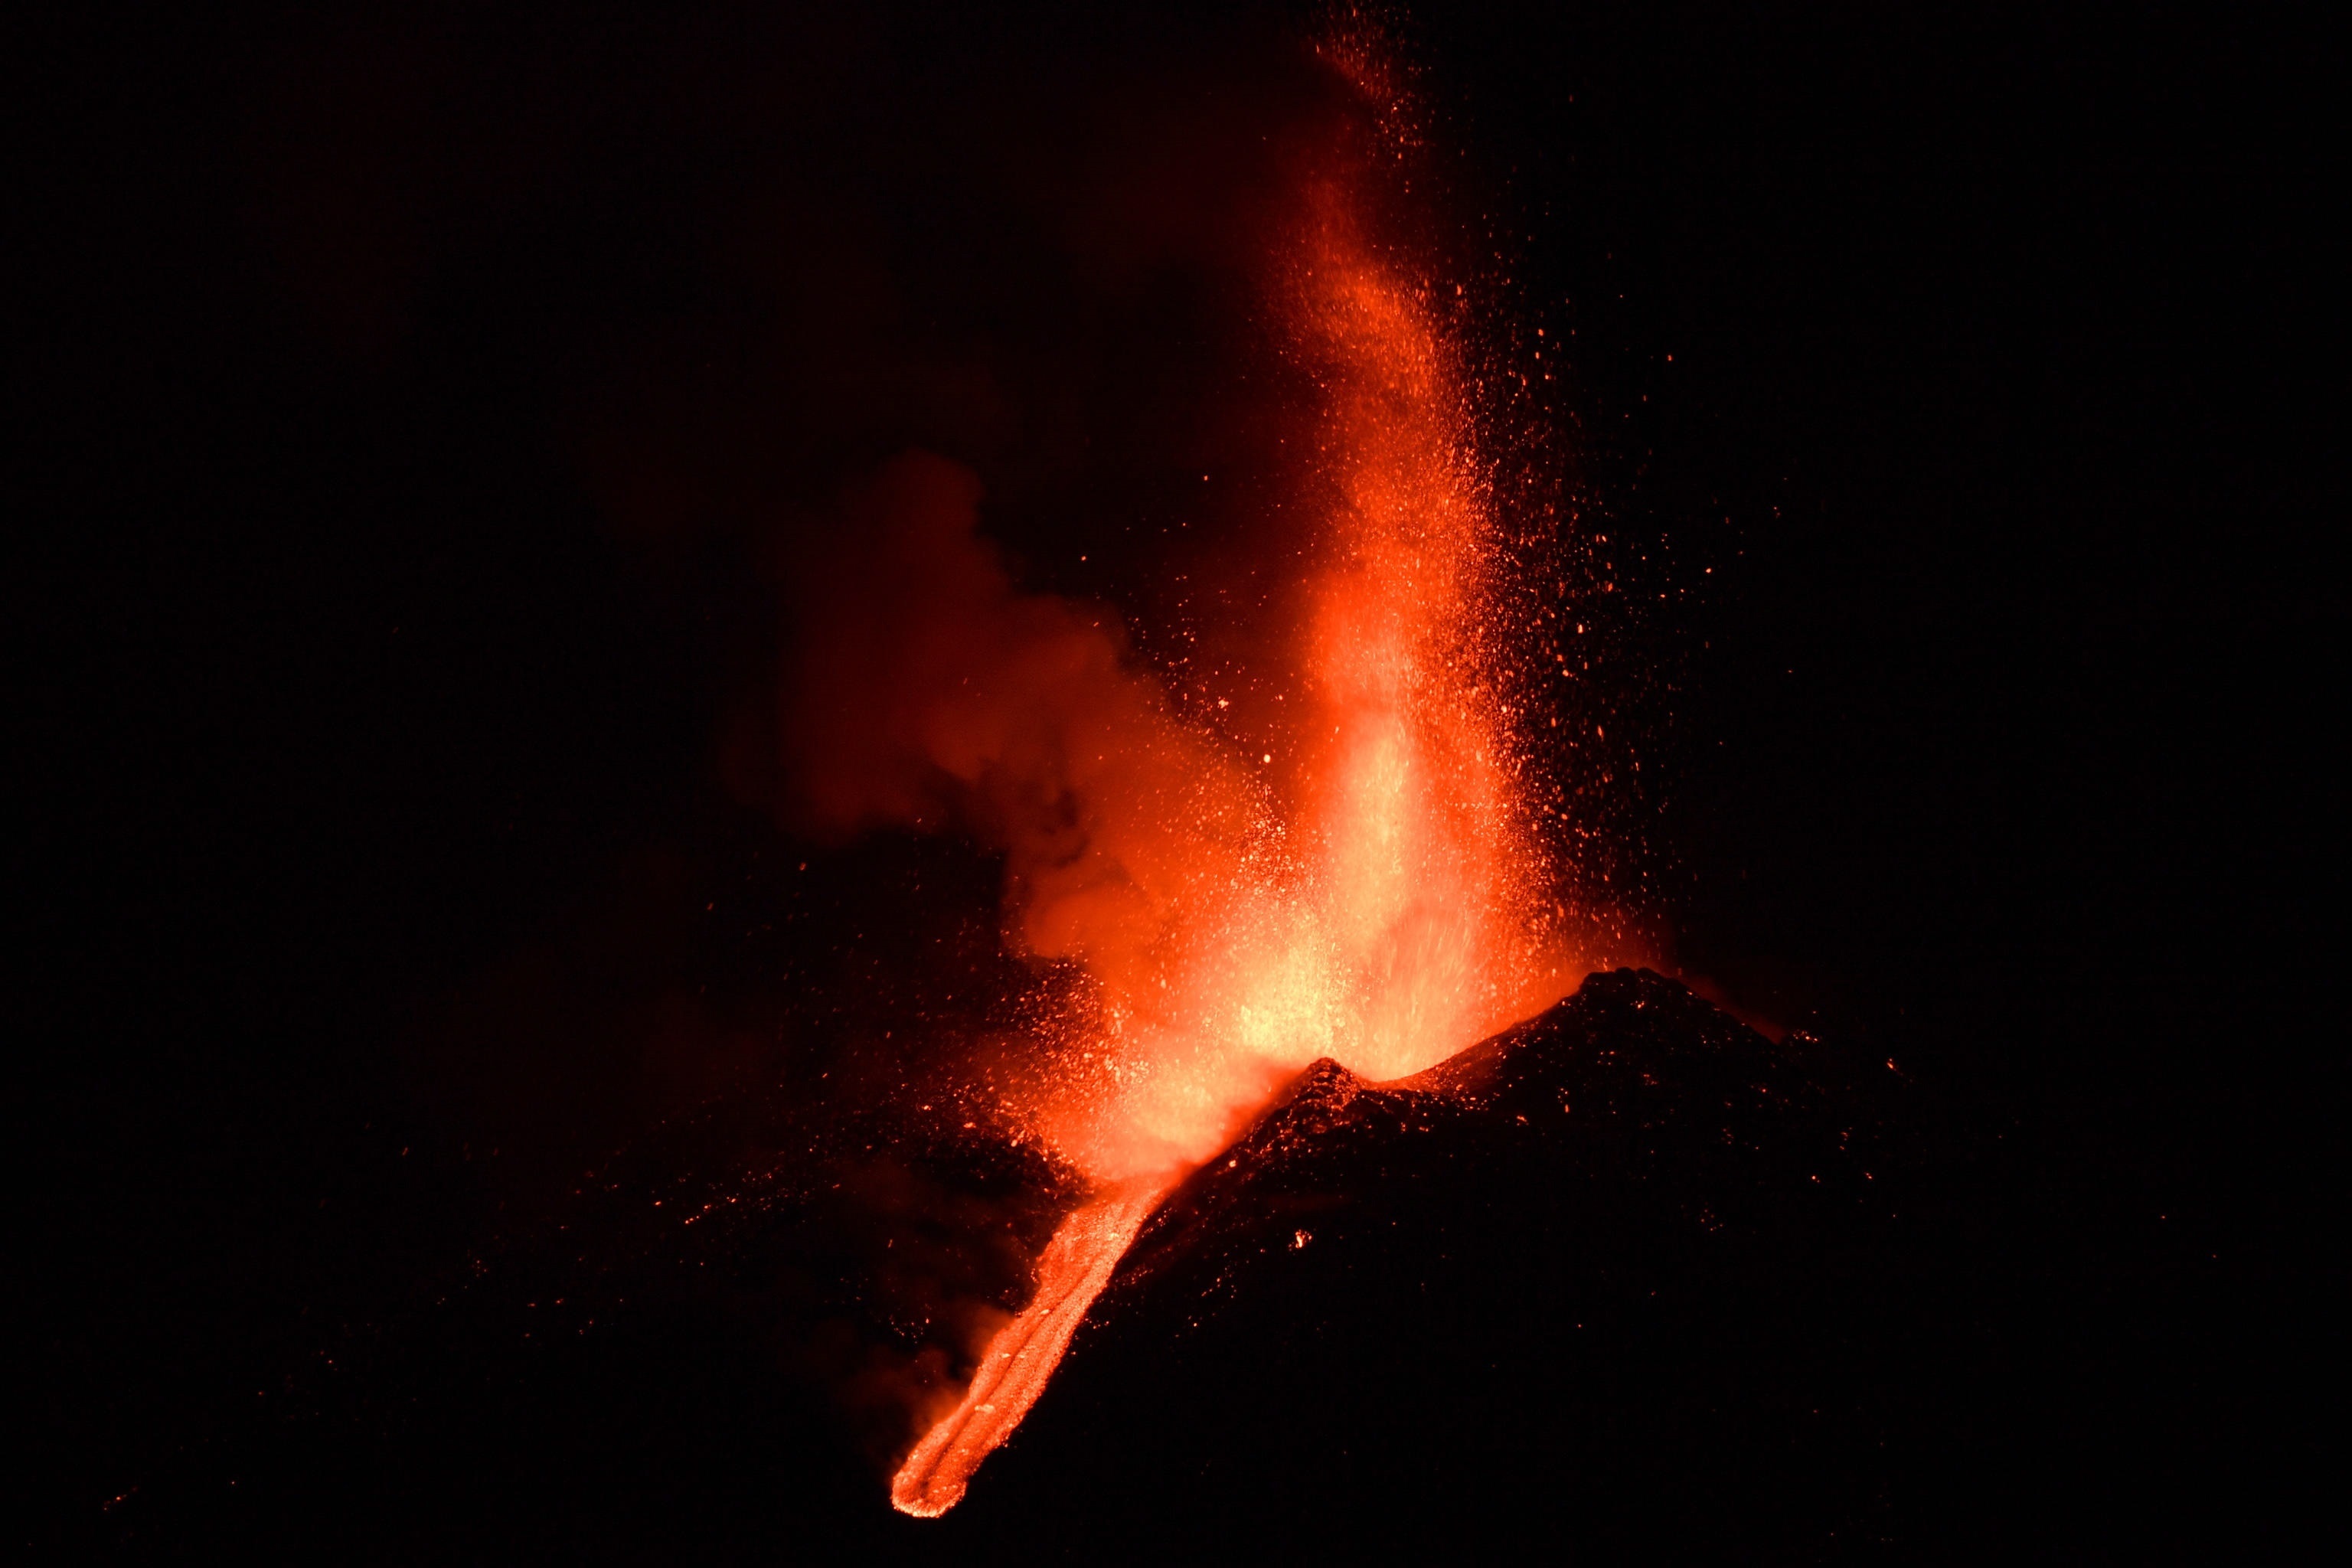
(1397, 918)
(1076, 1264)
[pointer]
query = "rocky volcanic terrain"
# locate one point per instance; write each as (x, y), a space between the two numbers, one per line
(1628, 1280)
(1629, 1275)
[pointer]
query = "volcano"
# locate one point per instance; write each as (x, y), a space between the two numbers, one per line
(1629, 1280)
(1629, 1272)
(1627, 1276)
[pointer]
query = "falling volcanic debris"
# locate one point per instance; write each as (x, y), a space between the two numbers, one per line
(1358, 884)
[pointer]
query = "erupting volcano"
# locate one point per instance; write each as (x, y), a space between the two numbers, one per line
(931, 785)
(1358, 881)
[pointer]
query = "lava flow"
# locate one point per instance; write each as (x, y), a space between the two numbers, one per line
(1362, 888)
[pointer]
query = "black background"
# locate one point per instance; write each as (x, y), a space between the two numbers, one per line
(402, 399)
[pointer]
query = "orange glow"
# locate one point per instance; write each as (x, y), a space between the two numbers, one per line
(1075, 1267)
(1388, 912)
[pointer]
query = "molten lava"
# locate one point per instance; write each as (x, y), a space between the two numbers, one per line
(1387, 913)
(1072, 1271)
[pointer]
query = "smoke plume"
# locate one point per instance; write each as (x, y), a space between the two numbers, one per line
(928, 691)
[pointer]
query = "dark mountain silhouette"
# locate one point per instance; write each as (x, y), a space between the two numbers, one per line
(1628, 1280)
(1627, 1276)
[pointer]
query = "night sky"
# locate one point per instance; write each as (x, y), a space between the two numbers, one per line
(433, 414)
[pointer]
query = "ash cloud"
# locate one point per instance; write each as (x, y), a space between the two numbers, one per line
(926, 689)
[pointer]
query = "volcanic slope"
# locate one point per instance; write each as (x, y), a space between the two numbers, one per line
(1626, 1281)
(1629, 1275)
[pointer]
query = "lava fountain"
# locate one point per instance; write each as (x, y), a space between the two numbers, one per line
(1363, 888)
